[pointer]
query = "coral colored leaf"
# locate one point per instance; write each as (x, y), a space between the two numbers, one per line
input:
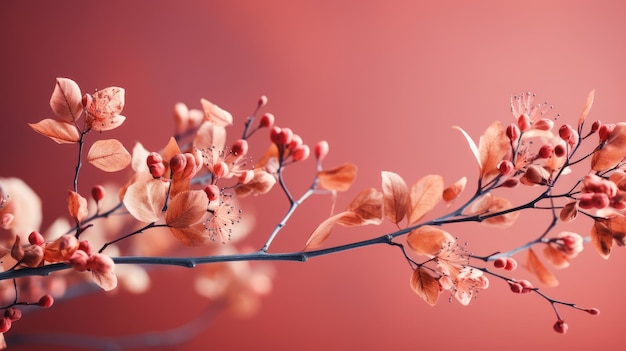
(215, 114)
(109, 155)
(586, 109)
(425, 285)
(556, 257)
(395, 196)
(337, 179)
(534, 265)
(613, 151)
(261, 183)
(452, 192)
(428, 240)
(145, 199)
(322, 232)
(194, 235)
(106, 280)
(617, 226)
(169, 151)
(472, 145)
(103, 113)
(77, 206)
(368, 205)
(66, 100)
(425, 194)
(568, 212)
(602, 238)
(500, 204)
(59, 131)
(492, 147)
(210, 137)
(139, 157)
(270, 153)
(186, 209)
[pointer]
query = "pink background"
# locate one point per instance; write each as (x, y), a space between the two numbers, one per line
(383, 82)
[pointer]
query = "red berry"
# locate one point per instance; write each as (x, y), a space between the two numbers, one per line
(5, 324)
(46, 301)
(98, 192)
(35, 238)
(267, 120)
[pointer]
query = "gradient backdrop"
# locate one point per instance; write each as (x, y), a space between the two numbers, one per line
(383, 82)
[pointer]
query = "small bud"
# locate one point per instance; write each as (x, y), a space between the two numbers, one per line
(157, 170)
(153, 158)
(605, 130)
(181, 117)
(510, 183)
(568, 134)
(593, 311)
(600, 200)
(595, 126)
(212, 192)
(79, 260)
(246, 177)
(100, 263)
(240, 147)
(87, 100)
(262, 101)
(13, 314)
(190, 166)
(35, 238)
(523, 122)
(543, 124)
(560, 327)
(266, 121)
(512, 132)
(516, 287)
(178, 163)
(506, 167)
(274, 134)
(321, 150)
(296, 142)
(46, 301)
(5, 324)
(545, 151)
(33, 256)
(86, 246)
(499, 262)
(301, 153)
(527, 287)
(559, 150)
(98, 192)
(511, 264)
(286, 136)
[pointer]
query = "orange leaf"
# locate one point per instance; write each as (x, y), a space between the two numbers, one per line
(395, 196)
(194, 235)
(215, 114)
(539, 270)
(501, 204)
(271, 153)
(59, 131)
(473, 147)
(586, 108)
(145, 199)
(493, 146)
(103, 113)
(261, 183)
(569, 212)
(425, 285)
(109, 155)
(210, 137)
(428, 240)
(169, 151)
(452, 192)
(368, 205)
(77, 206)
(339, 178)
(602, 237)
(186, 209)
(556, 257)
(66, 100)
(613, 151)
(322, 232)
(425, 194)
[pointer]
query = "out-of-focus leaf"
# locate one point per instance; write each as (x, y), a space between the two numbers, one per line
(425, 286)
(534, 265)
(452, 192)
(339, 178)
(261, 183)
(59, 131)
(109, 155)
(428, 240)
(103, 113)
(602, 238)
(555, 257)
(505, 220)
(425, 194)
(194, 235)
(613, 151)
(215, 114)
(586, 109)
(395, 196)
(66, 100)
(211, 138)
(77, 206)
(186, 209)
(473, 147)
(568, 212)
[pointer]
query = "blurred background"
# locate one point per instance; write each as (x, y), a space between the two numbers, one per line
(382, 82)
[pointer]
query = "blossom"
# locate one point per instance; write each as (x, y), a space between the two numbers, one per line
(221, 219)
(536, 119)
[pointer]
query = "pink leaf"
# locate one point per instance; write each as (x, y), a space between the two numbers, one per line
(109, 155)
(59, 131)
(77, 206)
(425, 194)
(586, 109)
(339, 178)
(145, 199)
(66, 100)
(395, 196)
(215, 114)
(425, 285)
(472, 145)
(186, 209)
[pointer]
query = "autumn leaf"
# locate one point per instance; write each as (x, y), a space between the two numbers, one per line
(613, 151)
(103, 111)
(215, 114)
(59, 131)
(586, 110)
(368, 206)
(473, 147)
(337, 179)
(322, 232)
(109, 155)
(186, 209)
(425, 194)
(500, 204)
(602, 238)
(425, 285)
(66, 100)
(144, 199)
(534, 265)
(493, 146)
(452, 192)
(77, 206)
(194, 235)
(428, 240)
(210, 137)
(106, 280)
(395, 196)
(261, 183)
(568, 212)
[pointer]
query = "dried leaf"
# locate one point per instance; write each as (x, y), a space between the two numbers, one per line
(103, 113)
(145, 199)
(473, 147)
(210, 137)
(613, 151)
(425, 285)
(322, 232)
(568, 212)
(425, 194)
(452, 192)
(337, 179)
(169, 151)
(194, 235)
(499, 204)
(186, 209)
(109, 155)
(395, 196)
(493, 146)
(534, 265)
(586, 109)
(215, 114)
(261, 183)
(270, 153)
(77, 206)
(368, 205)
(106, 280)
(557, 258)
(59, 131)
(66, 100)
(428, 240)
(138, 158)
